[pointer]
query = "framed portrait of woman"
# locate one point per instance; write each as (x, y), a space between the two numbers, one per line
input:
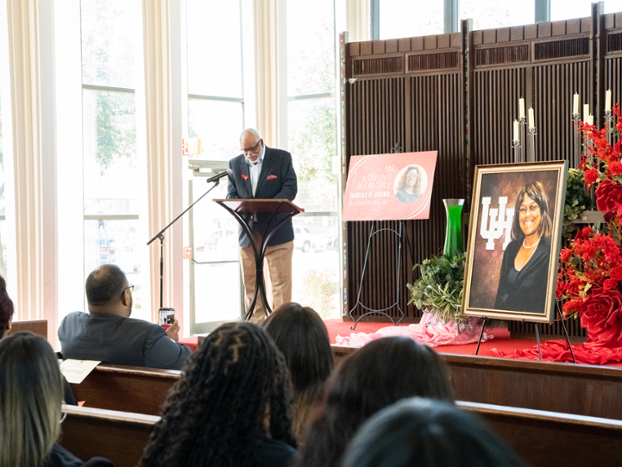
(514, 241)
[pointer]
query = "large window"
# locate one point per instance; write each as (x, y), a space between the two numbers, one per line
(568, 9)
(216, 114)
(400, 18)
(215, 84)
(498, 14)
(311, 131)
(113, 170)
(7, 227)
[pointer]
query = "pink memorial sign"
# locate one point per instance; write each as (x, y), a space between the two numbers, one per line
(389, 186)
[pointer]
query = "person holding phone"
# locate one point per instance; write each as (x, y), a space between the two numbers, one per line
(108, 334)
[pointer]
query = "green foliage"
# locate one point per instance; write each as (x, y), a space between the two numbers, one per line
(577, 200)
(111, 140)
(440, 287)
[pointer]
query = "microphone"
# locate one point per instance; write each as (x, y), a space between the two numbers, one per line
(219, 176)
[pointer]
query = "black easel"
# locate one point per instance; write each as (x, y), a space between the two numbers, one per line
(382, 311)
(537, 331)
(160, 235)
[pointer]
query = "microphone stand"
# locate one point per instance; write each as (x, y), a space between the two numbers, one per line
(160, 235)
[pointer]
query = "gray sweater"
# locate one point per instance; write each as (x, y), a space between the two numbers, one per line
(120, 341)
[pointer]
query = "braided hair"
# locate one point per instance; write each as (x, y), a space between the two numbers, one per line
(6, 308)
(235, 390)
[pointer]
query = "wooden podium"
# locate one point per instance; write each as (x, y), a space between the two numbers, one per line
(250, 208)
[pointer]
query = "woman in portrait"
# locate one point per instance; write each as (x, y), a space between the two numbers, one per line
(524, 271)
(409, 186)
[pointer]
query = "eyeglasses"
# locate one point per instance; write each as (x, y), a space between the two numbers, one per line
(131, 287)
(532, 209)
(252, 150)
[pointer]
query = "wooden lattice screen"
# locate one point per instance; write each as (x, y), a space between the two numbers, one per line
(458, 94)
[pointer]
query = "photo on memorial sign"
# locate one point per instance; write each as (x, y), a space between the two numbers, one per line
(393, 186)
(514, 241)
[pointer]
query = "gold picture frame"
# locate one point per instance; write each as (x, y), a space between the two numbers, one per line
(513, 247)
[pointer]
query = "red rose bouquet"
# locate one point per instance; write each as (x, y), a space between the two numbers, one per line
(590, 277)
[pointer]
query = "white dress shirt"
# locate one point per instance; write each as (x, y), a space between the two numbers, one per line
(255, 169)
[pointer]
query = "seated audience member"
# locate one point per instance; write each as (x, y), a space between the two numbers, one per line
(108, 334)
(374, 377)
(6, 321)
(231, 406)
(31, 390)
(301, 335)
(6, 310)
(427, 433)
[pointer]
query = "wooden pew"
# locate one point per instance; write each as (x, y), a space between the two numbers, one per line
(36, 326)
(551, 439)
(118, 436)
(126, 388)
(541, 438)
(588, 390)
(556, 387)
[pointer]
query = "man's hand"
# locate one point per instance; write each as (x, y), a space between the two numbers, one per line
(173, 331)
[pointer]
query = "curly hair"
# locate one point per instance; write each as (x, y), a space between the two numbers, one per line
(535, 191)
(234, 391)
(6, 308)
(301, 335)
(374, 377)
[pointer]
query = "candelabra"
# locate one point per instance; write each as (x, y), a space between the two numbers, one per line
(576, 118)
(532, 137)
(516, 147)
(609, 124)
(523, 151)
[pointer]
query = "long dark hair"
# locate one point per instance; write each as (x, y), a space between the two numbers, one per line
(6, 308)
(31, 391)
(374, 377)
(234, 391)
(301, 335)
(535, 191)
(428, 434)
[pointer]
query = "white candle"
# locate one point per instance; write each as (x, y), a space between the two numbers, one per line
(516, 137)
(521, 107)
(531, 119)
(590, 119)
(575, 103)
(608, 100)
(586, 112)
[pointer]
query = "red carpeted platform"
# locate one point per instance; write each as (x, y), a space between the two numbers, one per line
(501, 340)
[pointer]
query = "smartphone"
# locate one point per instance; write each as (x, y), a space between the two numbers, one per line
(166, 316)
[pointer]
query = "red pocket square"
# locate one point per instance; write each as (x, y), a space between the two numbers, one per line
(245, 177)
(271, 177)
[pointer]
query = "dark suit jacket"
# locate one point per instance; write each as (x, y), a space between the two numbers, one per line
(528, 292)
(277, 180)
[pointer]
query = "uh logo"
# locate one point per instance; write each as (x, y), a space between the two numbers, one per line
(500, 221)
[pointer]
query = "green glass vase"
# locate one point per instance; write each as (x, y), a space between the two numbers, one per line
(453, 235)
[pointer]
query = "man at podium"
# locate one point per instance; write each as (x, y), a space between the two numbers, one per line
(261, 172)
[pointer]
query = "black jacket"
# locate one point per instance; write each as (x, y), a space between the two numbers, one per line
(528, 292)
(277, 180)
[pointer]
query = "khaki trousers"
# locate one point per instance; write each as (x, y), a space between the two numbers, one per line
(278, 263)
